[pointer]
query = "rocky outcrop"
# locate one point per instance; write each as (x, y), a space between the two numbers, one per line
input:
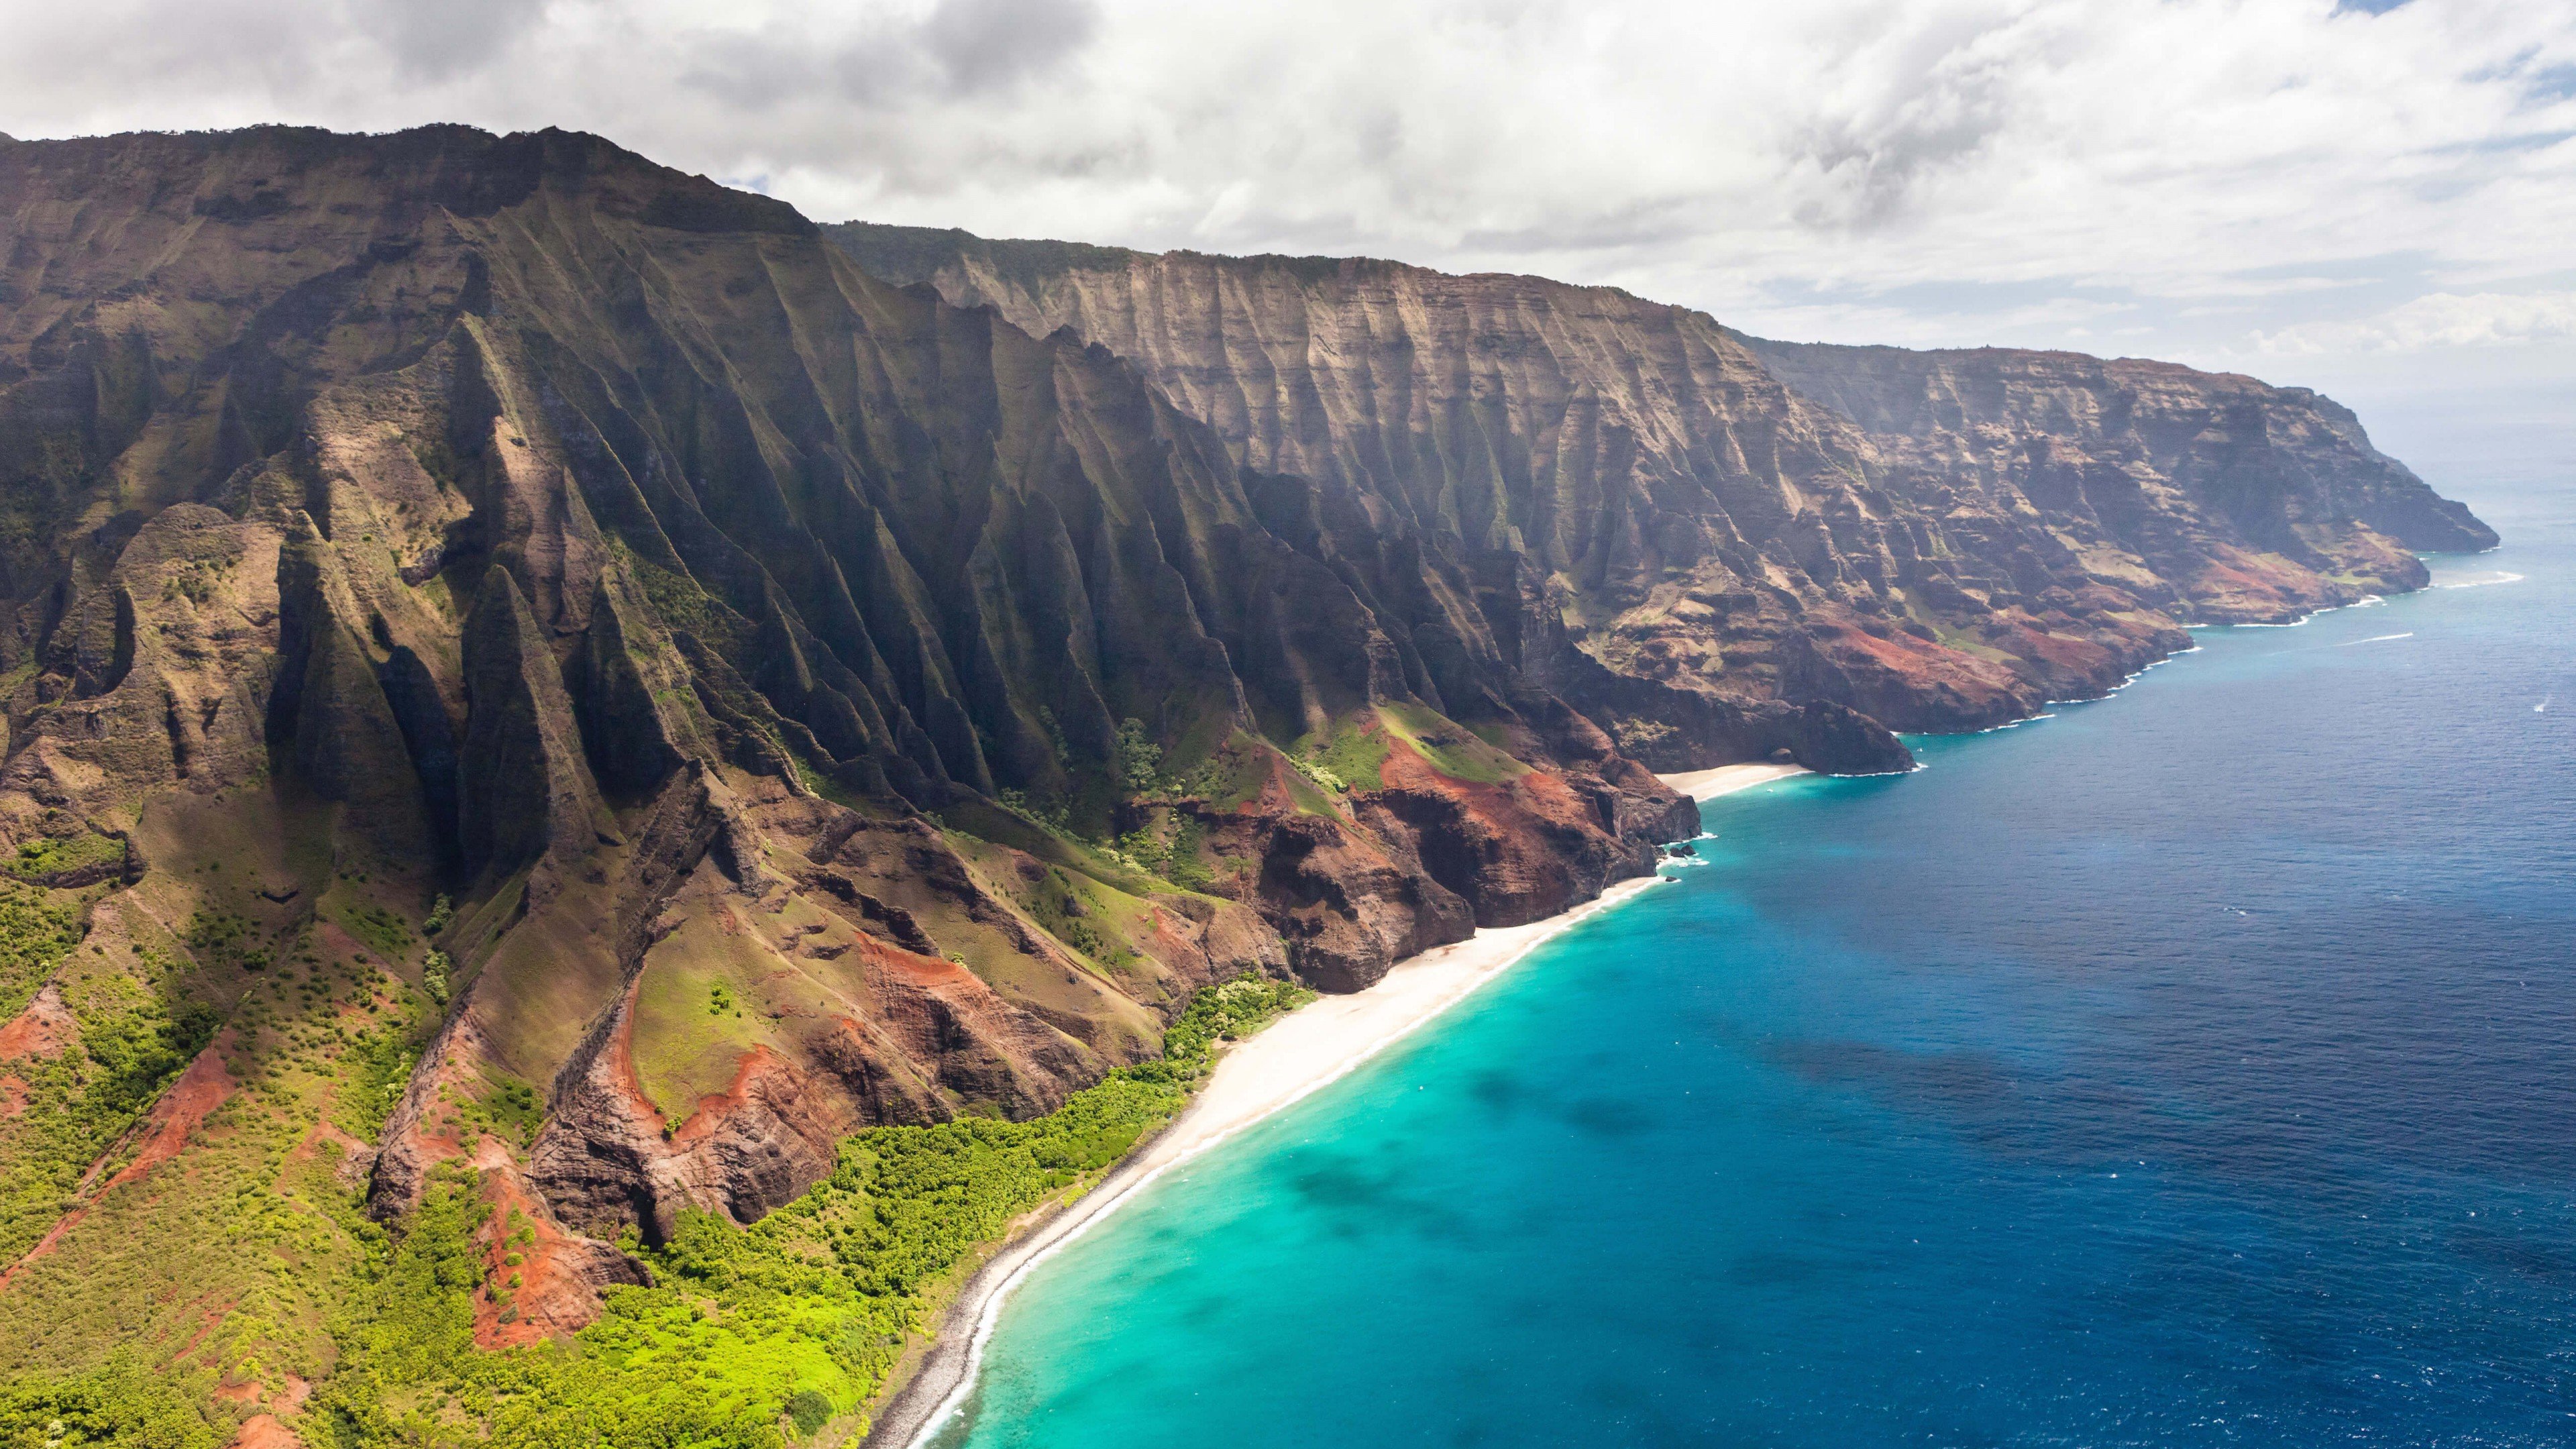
(1723, 525)
(2248, 502)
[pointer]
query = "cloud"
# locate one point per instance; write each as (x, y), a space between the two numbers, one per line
(434, 42)
(985, 45)
(2443, 319)
(2203, 178)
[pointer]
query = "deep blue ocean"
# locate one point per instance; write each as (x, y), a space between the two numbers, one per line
(2195, 1066)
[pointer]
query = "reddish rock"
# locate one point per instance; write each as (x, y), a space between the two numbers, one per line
(44, 1029)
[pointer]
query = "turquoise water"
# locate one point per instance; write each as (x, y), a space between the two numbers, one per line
(2192, 1067)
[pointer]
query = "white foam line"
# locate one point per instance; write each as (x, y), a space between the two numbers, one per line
(2375, 639)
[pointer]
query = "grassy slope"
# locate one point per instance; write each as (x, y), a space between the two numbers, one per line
(202, 1231)
(752, 1336)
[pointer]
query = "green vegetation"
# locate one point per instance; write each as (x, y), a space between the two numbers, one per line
(751, 1336)
(1232, 774)
(381, 929)
(48, 856)
(683, 604)
(196, 579)
(74, 1107)
(231, 1260)
(1140, 760)
(1170, 849)
(382, 1060)
(1049, 840)
(119, 1403)
(226, 938)
(1057, 904)
(34, 934)
(1351, 758)
(1452, 750)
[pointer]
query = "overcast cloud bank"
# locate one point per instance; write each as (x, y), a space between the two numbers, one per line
(2279, 186)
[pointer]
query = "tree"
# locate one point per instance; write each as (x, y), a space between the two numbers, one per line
(1140, 760)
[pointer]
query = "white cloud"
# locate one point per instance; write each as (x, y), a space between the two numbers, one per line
(2443, 319)
(2204, 178)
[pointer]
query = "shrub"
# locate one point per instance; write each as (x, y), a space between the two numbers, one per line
(1140, 760)
(745, 1326)
(808, 1411)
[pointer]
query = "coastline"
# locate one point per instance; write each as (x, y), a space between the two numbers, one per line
(1283, 1064)
(1707, 785)
(1286, 1062)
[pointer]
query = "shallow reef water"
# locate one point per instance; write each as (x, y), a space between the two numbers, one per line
(2195, 1066)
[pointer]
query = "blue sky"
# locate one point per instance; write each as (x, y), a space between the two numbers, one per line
(2375, 199)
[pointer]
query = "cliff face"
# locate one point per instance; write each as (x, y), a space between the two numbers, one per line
(823, 705)
(2177, 464)
(816, 700)
(1937, 540)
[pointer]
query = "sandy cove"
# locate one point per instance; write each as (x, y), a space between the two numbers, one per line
(1707, 785)
(1310, 1048)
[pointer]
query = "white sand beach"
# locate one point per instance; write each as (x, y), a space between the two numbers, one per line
(1306, 1050)
(1727, 779)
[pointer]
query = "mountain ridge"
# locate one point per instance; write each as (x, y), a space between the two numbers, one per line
(1241, 342)
(515, 658)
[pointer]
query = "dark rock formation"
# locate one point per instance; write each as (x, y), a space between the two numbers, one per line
(1679, 529)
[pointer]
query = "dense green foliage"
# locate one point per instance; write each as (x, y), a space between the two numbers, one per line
(54, 857)
(34, 934)
(118, 1403)
(381, 1060)
(754, 1335)
(1140, 760)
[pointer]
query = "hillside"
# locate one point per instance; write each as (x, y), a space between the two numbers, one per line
(581, 750)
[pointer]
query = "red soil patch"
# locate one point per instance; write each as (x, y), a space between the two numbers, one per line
(621, 1059)
(714, 1107)
(207, 1318)
(913, 967)
(1167, 940)
(1901, 654)
(200, 1090)
(2076, 656)
(1513, 830)
(44, 1029)
(555, 1296)
(323, 1132)
(355, 1156)
(13, 1097)
(253, 1391)
(265, 1431)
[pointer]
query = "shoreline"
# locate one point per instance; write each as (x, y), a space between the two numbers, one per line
(1281, 1065)
(1706, 785)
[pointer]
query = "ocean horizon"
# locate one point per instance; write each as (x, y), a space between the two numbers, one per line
(2188, 1066)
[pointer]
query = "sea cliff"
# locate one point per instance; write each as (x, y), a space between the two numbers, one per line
(549, 693)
